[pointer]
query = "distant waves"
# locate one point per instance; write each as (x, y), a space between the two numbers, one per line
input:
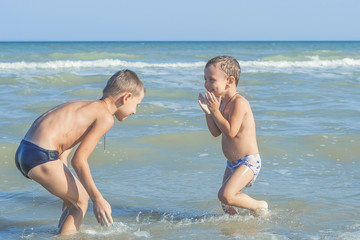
(249, 66)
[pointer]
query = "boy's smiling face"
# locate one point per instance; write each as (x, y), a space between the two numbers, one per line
(215, 80)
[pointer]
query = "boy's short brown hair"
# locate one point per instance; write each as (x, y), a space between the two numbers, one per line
(123, 81)
(229, 65)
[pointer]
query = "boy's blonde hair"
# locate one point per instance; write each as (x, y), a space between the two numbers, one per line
(123, 81)
(229, 65)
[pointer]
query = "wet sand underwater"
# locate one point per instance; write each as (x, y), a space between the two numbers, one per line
(161, 169)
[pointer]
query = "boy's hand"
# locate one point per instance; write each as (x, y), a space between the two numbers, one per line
(203, 104)
(213, 103)
(102, 211)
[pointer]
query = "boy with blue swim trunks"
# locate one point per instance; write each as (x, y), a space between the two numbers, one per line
(229, 114)
(42, 154)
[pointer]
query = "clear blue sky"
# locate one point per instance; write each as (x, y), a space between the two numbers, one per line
(182, 20)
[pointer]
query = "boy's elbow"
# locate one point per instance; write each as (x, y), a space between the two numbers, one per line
(231, 135)
(76, 164)
(216, 134)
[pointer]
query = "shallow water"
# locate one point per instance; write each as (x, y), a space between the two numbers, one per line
(161, 169)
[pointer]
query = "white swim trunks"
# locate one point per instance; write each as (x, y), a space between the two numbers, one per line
(252, 161)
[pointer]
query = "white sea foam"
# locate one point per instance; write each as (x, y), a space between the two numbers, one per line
(251, 66)
(353, 232)
(116, 229)
(314, 63)
(103, 63)
(284, 172)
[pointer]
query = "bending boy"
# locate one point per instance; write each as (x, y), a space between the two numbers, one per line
(229, 114)
(62, 128)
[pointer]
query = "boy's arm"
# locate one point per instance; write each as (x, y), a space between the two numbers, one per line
(214, 130)
(102, 209)
(229, 128)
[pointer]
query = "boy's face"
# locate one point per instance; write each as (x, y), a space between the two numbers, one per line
(129, 106)
(215, 80)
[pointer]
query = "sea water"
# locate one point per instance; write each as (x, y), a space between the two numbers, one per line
(161, 169)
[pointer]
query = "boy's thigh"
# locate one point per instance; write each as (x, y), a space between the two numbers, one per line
(239, 179)
(55, 177)
(227, 174)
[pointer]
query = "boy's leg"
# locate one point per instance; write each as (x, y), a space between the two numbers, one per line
(230, 193)
(64, 215)
(227, 208)
(55, 177)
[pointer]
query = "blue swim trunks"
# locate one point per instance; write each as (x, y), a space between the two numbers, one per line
(30, 155)
(252, 161)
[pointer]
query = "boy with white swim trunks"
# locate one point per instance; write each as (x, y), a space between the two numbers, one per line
(229, 114)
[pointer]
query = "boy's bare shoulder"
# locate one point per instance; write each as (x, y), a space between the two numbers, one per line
(101, 112)
(92, 111)
(241, 102)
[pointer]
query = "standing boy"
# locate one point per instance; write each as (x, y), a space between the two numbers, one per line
(62, 128)
(229, 114)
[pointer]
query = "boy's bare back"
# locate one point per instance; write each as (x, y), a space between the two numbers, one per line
(243, 143)
(66, 125)
(42, 154)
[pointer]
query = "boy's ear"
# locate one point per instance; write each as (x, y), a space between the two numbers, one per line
(126, 97)
(121, 100)
(231, 80)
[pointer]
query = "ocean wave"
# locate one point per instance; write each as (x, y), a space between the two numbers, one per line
(313, 63)
(103, 63)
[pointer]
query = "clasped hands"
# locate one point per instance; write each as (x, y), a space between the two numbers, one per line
(209, 103)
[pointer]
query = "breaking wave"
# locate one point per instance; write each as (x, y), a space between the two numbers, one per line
(105, 63)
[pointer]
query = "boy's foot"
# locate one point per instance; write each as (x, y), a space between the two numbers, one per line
(262, 211)
(229, 209)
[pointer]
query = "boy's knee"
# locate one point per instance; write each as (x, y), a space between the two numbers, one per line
(225, 198)
(83, 202)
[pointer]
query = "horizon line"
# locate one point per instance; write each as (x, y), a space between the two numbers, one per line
(228, 41)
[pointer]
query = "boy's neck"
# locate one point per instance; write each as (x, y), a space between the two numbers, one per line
(109, 104)
(229, 95)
